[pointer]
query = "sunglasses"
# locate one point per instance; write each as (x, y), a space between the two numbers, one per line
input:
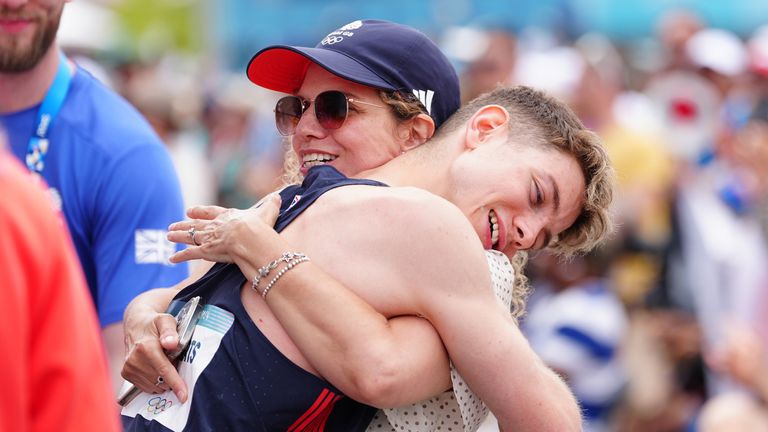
(331, 110)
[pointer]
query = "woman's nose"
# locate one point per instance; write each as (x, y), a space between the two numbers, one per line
(308, 127)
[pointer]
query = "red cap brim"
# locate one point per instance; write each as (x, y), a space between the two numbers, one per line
(282, 68)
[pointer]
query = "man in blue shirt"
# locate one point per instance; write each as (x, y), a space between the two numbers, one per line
(105, 168)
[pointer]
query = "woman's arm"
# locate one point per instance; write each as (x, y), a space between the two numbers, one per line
(149, 331)
(381, 362)
(384, 363)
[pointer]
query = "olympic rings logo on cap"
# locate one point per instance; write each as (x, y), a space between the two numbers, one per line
(330, 40)
(354, 25)
(158, 404)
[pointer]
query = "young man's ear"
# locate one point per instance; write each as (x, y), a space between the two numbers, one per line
(417, 131)
(487, 121)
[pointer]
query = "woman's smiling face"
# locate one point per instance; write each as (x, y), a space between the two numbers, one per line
(367, 139)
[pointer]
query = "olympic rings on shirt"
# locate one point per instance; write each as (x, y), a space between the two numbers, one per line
(158, 404)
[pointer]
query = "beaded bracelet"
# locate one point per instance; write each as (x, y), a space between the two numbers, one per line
(286, 257)
(282, 271)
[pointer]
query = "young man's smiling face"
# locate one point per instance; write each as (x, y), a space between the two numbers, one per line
(518, 196)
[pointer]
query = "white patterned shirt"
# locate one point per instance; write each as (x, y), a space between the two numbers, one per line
(458, 409)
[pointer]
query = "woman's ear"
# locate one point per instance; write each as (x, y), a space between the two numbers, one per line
(418, 130)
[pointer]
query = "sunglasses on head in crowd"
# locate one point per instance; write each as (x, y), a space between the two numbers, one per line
(331, 109)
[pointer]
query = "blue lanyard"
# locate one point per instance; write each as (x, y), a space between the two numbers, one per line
(54, 99)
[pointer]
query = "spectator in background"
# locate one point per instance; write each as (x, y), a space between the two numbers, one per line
(167, 95)
(52, 363)
(245, 151)
(714, 267)
(644, 170)
(733, 412)
(753, 138)
(721, 249)
(493, 66)
(674, 29)
(750, 154)
(576, 324)
(743, 357)
(106, 170)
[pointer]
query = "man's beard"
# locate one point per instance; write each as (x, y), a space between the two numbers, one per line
(16, 58)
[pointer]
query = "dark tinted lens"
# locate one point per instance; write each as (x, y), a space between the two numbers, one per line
(287, 114)
(331, 109)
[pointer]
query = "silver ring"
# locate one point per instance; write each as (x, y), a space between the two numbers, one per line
(191, 233)
(160, 381)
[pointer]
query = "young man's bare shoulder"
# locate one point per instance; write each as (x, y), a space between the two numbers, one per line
(424, 236)
(396, 237)
(407, 208)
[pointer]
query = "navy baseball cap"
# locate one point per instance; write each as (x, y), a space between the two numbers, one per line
(375, 53)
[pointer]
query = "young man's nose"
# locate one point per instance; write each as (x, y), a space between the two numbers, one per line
(525, 233)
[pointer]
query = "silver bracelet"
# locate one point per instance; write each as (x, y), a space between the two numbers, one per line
(286, 257)
(282, 271)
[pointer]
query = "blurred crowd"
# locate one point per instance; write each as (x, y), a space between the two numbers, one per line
(663, 329)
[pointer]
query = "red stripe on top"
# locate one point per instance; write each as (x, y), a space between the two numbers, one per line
(310, 424)
(317, 407)
(320, 421)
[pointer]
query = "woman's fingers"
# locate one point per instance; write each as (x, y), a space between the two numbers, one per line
(207, 221)
(166, 328)
(145, 363)
(185, 236)
(147, 366)
(188, 254)
(208, 248)
(268, 208)
(266, 198)
(192, 232)
(186, 225)
(205, 212)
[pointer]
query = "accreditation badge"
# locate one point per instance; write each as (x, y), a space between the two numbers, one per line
(55, 197)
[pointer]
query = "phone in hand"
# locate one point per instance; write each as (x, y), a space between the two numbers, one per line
(186, 319)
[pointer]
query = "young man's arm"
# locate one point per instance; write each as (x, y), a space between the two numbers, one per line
(433, 264)
(482, 339)
(378, 361)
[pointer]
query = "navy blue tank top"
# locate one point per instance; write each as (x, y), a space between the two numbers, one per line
(237, 378)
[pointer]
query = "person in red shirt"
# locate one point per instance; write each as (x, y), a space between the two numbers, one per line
(52, 362)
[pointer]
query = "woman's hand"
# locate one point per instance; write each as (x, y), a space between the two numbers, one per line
(148, 333)
(213, 232)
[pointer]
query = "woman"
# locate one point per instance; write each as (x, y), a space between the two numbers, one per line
(376, 45)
